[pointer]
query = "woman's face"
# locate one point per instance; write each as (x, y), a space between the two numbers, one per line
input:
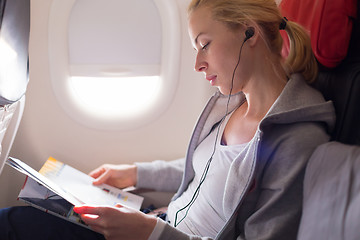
(217, 48)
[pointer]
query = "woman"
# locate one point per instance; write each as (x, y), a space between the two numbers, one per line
(243, 172)
(253, 187)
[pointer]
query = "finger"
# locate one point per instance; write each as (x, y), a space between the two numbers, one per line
(90, 219)
(91, 210)
(91, 216)
(102, 178)
(97, 172)
(123, 209)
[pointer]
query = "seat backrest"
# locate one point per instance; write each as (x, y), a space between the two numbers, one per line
(342, 85)
(14, 69)
(10, 117)
(331, 202)
(335, 35)
(331, 207)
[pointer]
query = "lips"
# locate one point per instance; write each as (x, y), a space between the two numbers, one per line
(211, 78)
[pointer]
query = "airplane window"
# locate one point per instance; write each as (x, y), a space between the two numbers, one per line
(116, 97)
(114, 63)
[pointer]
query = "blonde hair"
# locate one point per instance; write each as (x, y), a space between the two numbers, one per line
(266, 14)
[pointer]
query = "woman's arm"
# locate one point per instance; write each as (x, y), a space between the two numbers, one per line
(157, 175)
(160, 175)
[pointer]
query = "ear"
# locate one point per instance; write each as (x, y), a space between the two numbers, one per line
(251, 35)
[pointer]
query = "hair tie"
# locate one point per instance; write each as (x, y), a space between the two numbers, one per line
(283, 23)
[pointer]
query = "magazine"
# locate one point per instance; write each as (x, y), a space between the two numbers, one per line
(58, 187)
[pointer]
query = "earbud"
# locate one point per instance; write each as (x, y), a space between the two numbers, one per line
(249, 33)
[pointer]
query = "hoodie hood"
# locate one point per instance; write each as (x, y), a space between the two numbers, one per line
(307, 105)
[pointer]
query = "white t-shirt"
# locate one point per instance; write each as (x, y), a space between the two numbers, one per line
(206, 215)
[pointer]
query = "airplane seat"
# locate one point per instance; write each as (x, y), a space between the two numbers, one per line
(14, 69)
(331, 200)
(342, 85)
(335, 34)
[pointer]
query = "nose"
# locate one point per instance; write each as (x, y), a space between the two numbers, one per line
(200, 64)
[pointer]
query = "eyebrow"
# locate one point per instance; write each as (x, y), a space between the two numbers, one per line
(196, 39)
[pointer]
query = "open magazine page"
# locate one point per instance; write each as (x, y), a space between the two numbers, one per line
(30, 172)
(41, 197)
(80, 186)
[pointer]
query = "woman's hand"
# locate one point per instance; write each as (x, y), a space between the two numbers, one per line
(120, 176)
(117, 222)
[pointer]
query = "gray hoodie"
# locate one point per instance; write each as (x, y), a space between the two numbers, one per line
(263, 191)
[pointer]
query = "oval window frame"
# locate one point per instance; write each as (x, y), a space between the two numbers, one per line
(60, 68)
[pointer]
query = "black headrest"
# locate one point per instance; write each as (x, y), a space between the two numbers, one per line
(342, 86)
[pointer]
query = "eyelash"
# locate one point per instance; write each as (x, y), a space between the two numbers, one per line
(205, 46)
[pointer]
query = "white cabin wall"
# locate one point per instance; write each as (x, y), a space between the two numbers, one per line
(46, 129)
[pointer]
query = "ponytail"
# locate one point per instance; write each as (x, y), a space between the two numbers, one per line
(301, 58)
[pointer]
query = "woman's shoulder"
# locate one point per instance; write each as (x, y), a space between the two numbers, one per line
(300, 103)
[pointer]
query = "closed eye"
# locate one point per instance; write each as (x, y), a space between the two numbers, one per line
(205, 46)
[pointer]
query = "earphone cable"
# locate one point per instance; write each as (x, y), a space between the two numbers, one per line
(206, 170)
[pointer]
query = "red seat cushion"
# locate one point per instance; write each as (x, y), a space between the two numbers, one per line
(329, 23)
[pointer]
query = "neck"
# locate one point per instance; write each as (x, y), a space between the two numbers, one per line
(264, 87)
